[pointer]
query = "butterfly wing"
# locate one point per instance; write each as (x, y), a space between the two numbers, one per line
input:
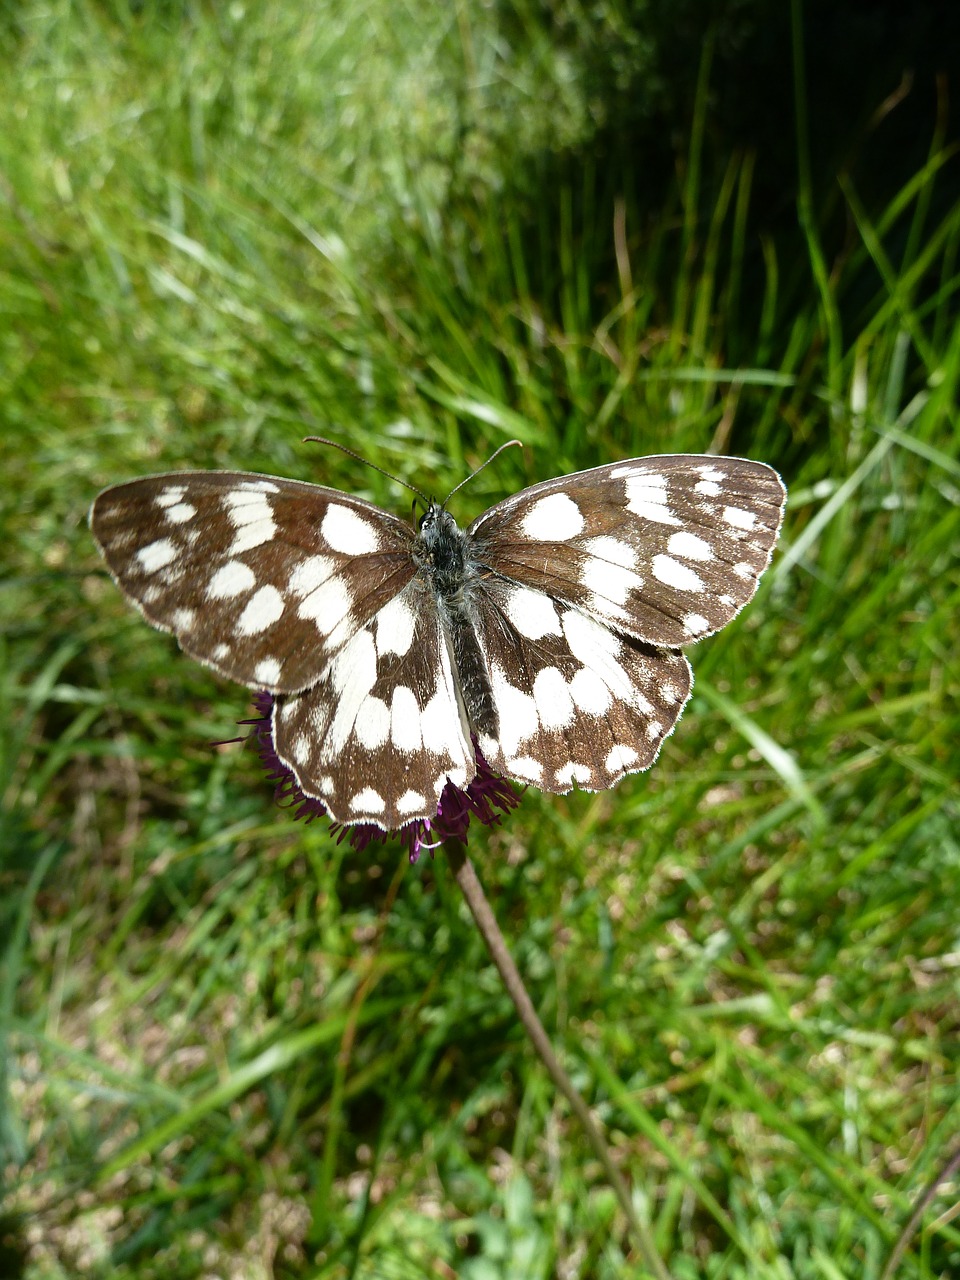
(666, 549)
(261, 578)
(590, 582)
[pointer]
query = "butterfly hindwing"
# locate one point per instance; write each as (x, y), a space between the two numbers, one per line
(381, 732)
(666, 549)
(577, 703)
(261, 578)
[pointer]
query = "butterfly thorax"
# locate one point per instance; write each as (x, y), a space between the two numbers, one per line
(440, 549)
(443, 551)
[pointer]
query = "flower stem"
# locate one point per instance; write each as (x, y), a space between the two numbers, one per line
(486, 922)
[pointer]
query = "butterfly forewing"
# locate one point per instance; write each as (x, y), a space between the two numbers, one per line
(261, 578)
(666, 549)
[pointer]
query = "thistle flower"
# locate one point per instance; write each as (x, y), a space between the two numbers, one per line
(487, 797)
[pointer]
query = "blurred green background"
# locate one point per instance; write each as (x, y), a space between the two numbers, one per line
(233, 1047)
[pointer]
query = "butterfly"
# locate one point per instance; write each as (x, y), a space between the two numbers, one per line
(547, 633)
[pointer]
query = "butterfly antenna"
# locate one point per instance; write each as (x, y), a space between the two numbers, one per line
(496, 454)
(367, 463)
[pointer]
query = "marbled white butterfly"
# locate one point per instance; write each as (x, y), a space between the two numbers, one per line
(548, 631)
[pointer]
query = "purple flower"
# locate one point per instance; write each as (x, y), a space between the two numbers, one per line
(487, 797)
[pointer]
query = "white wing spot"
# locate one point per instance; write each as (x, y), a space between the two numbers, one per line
(554, 518)
(180, 513)
(613, 549)
(405, 731)
(711, 473)
(517, 710)
(231, 579)
(372, 725)
(250, 513)
(674, 574)
(183, 619)
(457, 776)
(532, 613)
(221, 652)
(745, 571)
(573, 772)
(649, 501)
(368, 801)
(609, 580)
(525, 767)
(267, 670)
(244, 507)
(353, 673)
(170, 497)
(707, 488)
(620, 758)
(410, 802)
(396, 623)
(739, 518)
(654, 730)
(309, 574)
(327, 605)
(554, 702)
(263, 609)
(695, 624)
(689, 546)
(590, 693)
(302, 749)
(252, 535)
(668, 694)
(156, 555)
(348, 532)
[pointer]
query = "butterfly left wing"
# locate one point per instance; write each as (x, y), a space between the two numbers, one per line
(666, 549)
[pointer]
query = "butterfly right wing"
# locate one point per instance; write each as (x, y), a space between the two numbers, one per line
(261, 578)
(382, 731)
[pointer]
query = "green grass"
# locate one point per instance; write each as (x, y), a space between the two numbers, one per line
(234, 1047)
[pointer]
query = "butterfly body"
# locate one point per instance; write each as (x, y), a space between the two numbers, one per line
(548, 631)
(447, 557)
